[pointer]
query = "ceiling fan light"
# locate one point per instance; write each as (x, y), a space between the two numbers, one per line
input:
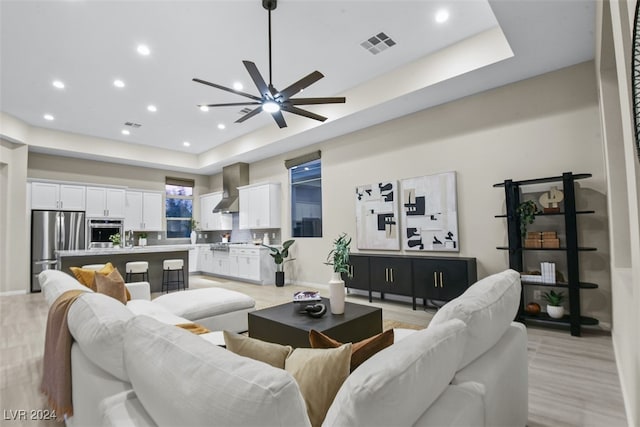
(271, 107)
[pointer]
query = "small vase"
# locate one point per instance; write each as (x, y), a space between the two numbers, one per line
(194, 237)
(555, 312)
(279, 278)
(336, 293)
(142, 241)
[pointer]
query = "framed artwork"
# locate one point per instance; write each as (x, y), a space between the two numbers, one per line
(429, 213)
(377, 216)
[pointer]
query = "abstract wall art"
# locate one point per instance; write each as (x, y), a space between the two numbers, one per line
(429, 213)
(377, 216)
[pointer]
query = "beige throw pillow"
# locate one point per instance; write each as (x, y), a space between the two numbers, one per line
(112, 285)
(319, 374)
(273, 354)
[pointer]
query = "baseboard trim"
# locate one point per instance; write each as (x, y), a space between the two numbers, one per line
(10, 293)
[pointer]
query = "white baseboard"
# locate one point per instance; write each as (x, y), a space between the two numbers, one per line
(9, 293)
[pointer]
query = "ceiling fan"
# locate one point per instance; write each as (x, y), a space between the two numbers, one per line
(272, 100)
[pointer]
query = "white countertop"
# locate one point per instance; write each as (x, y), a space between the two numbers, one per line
(132, 250)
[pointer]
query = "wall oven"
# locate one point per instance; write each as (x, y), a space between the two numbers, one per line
(100, 229)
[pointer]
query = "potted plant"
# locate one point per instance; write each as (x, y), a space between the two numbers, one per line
(194, 228)
(527, 211)
(338, 257)
(115, 239)
(142, 239)
(279, 255)
(554, 301)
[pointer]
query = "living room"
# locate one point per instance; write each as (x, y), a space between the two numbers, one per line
(537, 127)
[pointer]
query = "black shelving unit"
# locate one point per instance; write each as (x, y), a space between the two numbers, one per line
(574, 320)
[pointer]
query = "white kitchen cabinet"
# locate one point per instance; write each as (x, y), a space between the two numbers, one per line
(105, 202)
(48, 195)
(210, 220)
(251, 263)
(194, 255)
(143, 211)
(205, 260)
(260, 206)
(221, 263)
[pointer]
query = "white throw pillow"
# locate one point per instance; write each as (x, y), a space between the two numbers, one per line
(395, 386)
(183, 380)
(98, 322)
(488, 307)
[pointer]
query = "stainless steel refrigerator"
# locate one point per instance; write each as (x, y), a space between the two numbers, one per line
(52, 231)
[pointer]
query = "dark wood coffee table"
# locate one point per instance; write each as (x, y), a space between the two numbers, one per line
(283, 324)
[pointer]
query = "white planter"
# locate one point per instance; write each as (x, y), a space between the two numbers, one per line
(336, 293)
(142, 241)
(555, 312)
(194, 237)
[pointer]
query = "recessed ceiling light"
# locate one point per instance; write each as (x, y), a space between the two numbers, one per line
(143, 49)
(48, 117)
(221, 126)
(204, 108)
(442, 16)
(118, 83)
(238, 86)
(152, 108)
(186, 144)
(58, 84)
(125, 132)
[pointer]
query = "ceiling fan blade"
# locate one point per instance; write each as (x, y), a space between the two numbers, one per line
(237, 92)
(304, 113)
(309, 101)
(279, 118)
(231, 104)
(257, 78)
(296, 87)
(249, 114)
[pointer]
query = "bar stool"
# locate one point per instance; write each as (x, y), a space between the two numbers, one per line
(137, 267)
(170, 266)
(94, 267)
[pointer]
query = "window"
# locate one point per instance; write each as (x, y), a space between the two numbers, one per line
(306, 199)
(179, 207)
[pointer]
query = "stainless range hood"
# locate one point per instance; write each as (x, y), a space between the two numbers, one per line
(233, 176)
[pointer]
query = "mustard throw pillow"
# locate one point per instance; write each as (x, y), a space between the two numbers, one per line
(273, 354)
(360, 351)
(87, 276)
(319, 374)
(112, 285)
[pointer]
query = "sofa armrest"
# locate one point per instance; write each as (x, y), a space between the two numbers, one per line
(139, 290)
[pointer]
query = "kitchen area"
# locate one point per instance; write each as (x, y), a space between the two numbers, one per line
(72, 224)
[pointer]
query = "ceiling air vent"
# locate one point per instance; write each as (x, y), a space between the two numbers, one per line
(132, 124)
(378, 43)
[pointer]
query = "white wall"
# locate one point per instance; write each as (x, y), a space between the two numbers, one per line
(613, 59)
(14, 234)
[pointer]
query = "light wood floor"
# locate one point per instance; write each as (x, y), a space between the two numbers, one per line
(572, 381)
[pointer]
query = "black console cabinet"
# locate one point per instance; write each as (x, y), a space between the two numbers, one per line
(434, 278)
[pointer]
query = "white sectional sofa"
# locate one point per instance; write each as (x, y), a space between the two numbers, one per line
(469, 367)
(98, 323)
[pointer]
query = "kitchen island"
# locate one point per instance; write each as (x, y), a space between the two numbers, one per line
(119, 257)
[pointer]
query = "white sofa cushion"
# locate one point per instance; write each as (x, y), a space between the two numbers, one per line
(200, 303)
(459, 405)
(97, 322)
(54, 283)
(196, 383)
(158, 312)
(124, 410)
(488, 307)
(396, 385)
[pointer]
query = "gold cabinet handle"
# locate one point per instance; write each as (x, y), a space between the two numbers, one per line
(386, 274)
(435, 279)
(392, 275)
(441, 279)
